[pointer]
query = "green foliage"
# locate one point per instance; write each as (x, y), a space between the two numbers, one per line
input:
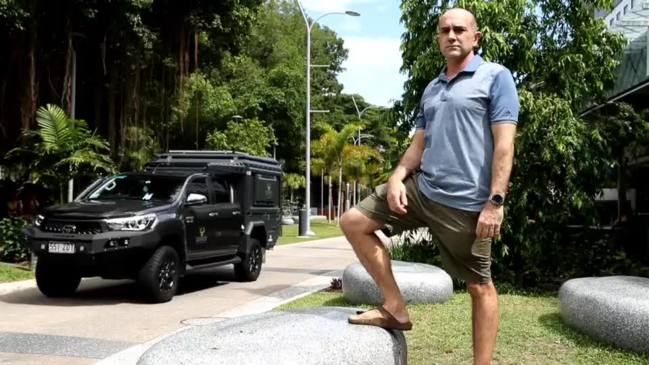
(13, 244)
(250, 136)
(141, 145)
(362, 163)
(332, 143)
(292, 182)
(61, 149)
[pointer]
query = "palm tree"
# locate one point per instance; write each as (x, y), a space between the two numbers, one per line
(61, 149)
(318, 169)
(293, 182)
(330, 148)
(362, 163)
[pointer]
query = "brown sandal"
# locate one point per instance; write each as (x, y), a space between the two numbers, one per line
(387, 321)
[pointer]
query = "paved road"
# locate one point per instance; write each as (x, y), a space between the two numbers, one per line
(106, 317)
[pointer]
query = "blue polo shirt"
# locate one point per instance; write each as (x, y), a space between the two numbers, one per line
(457, 116)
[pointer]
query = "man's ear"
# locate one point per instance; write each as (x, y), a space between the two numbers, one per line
(478, 37)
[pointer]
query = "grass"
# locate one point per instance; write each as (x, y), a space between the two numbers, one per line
(322, 229)
(531, 332)
(9, 273)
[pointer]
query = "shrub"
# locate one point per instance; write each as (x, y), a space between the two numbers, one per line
(416, 246)
(13, 244)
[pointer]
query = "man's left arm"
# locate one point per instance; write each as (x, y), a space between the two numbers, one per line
(491, 217)
(503, 113)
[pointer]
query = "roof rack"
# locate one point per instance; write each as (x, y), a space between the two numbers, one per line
(188, 160)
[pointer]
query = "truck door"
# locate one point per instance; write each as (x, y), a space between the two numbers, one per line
(197, 215)
(228, 215)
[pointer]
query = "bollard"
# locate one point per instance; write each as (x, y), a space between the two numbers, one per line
(303, 223)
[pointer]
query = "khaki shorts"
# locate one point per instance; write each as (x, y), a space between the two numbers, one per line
(463, 255)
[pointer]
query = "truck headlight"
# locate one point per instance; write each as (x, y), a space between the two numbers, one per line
(136, 223)
(38, 220)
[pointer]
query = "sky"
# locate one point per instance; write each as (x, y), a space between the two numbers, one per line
(373, 41)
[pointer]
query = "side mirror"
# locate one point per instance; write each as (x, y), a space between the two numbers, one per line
(196, 199)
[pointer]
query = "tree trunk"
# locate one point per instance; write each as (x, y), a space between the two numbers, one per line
(196, 51)
(340, 187)
(112, 128)
(28, 109)
(66, 94)
(329, 201)
(622, 207)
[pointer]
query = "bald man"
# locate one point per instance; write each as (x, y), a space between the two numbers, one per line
(452, 179)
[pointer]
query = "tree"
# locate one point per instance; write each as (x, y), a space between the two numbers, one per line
(330, 148)
(62, 149)
(562, 59)
(134, 58)
(250, 136)
(623, 133)
(292, 182)
(361, 164)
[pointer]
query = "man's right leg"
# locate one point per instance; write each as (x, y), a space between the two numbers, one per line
(359, 231)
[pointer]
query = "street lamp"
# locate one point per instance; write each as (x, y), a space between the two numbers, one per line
(305, 229)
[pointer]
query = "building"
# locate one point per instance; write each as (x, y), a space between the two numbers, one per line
(631, 18)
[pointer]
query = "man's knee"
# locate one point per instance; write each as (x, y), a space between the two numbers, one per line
(353, 221)
(349, 222)
(481, 290)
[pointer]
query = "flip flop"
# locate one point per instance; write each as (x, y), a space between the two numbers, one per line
(387, 321)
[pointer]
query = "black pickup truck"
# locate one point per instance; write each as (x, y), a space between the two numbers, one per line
(187, 210)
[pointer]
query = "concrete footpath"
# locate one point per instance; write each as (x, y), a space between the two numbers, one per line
(107, 321)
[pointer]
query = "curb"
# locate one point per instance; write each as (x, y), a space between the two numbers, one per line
(131, 355)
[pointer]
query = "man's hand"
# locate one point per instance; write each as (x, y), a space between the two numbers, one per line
(489, 221)
(397, 199)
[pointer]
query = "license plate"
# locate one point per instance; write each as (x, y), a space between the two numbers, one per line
(60, 247)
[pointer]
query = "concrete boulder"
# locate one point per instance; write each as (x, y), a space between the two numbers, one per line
(306, 337)
(419, 283)
(612, 309)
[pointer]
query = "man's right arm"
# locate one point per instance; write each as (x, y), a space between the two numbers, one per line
(409, 163)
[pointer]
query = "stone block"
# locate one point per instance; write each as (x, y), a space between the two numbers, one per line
(613, 309)
(316, 336)
(419, 283)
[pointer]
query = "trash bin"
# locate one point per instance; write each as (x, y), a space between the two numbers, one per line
(303, 223)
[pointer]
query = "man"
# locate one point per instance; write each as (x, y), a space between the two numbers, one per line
(464, 148)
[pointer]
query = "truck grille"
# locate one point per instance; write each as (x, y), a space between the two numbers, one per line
(71, 227)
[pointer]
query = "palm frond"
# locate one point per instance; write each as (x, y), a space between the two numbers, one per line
(85, 157)
(54, 128)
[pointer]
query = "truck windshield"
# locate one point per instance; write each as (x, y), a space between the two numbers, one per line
(137, 187)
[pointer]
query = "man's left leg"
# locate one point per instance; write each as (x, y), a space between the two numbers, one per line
(485, 320)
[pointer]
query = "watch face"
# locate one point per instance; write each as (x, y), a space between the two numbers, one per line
(497, 199)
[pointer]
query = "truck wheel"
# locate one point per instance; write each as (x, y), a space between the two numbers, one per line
(250, 266)
(56, 280)
(159, 276)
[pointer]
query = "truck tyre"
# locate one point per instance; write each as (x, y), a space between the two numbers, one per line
(160, 275)
(250, 266)
(56, 281)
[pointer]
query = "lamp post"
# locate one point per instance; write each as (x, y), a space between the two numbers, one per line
(305, 229)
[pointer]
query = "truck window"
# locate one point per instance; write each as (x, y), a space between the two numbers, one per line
(266, 190)
(198, 185)
(221, 191)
